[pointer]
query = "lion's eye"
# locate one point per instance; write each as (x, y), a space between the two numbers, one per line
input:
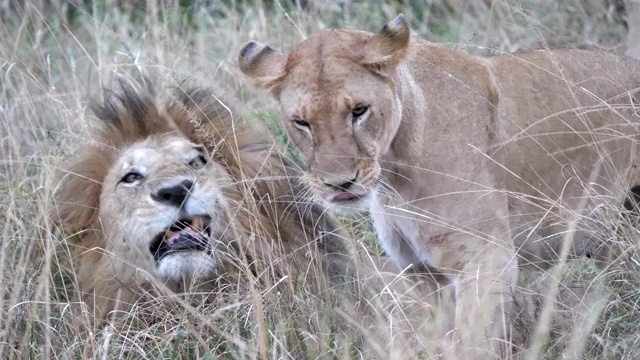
(199, 162)
(358, 111)
(301, 124)
(131, 177)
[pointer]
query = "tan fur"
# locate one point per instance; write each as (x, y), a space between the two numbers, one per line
(259, 214)
(456, 154)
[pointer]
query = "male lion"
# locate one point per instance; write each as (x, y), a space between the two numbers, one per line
(454, 153)
(173, 195)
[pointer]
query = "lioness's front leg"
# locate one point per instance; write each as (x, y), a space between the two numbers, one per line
(479, 262)
(484, 290)
(483, 270)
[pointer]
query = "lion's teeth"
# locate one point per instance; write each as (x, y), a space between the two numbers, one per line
(197, 224)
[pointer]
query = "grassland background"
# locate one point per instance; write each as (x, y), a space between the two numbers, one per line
(55, 55)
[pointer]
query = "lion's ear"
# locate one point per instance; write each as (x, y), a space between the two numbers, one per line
(263, 65)
(389, 46)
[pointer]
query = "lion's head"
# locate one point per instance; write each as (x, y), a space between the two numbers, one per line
(340, 103)
(163, 201)
(170, 194)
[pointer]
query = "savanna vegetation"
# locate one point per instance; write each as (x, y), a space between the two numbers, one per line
(56, 55)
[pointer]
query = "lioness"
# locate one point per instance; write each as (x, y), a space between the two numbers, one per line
(177, 195)
(454, 153)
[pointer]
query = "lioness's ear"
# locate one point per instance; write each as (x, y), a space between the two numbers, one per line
(389, 46)
(263, 65)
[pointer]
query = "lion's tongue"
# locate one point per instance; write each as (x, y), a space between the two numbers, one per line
(183, 238)
(187, 240)
(175, 240)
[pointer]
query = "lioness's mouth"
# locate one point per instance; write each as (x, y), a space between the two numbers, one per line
(186, 234)
(346, 196)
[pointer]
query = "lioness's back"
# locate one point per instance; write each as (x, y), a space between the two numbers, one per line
(544, 117)
(567, 114)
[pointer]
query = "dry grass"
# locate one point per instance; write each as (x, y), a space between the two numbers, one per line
(54, 55)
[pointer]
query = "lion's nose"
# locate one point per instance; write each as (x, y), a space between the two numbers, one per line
(340, 184)
(174, 195)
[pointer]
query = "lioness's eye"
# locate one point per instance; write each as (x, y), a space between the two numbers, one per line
(198, 162)
(301, 124)
(131, 177)
(358, 111)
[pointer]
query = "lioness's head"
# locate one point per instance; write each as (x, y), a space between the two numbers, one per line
(340, 103)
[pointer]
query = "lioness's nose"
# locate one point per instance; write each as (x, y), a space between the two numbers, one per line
(339, 184)
(174, 195)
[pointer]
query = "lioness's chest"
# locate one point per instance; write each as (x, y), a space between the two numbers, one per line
(404, 232)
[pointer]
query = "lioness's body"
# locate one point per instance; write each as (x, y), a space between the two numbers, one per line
(499, 128)
(455, 154)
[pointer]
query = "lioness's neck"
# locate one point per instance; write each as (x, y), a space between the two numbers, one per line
(430, 72)
(407, 139)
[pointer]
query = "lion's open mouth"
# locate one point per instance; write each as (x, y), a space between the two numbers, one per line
(186, 234)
